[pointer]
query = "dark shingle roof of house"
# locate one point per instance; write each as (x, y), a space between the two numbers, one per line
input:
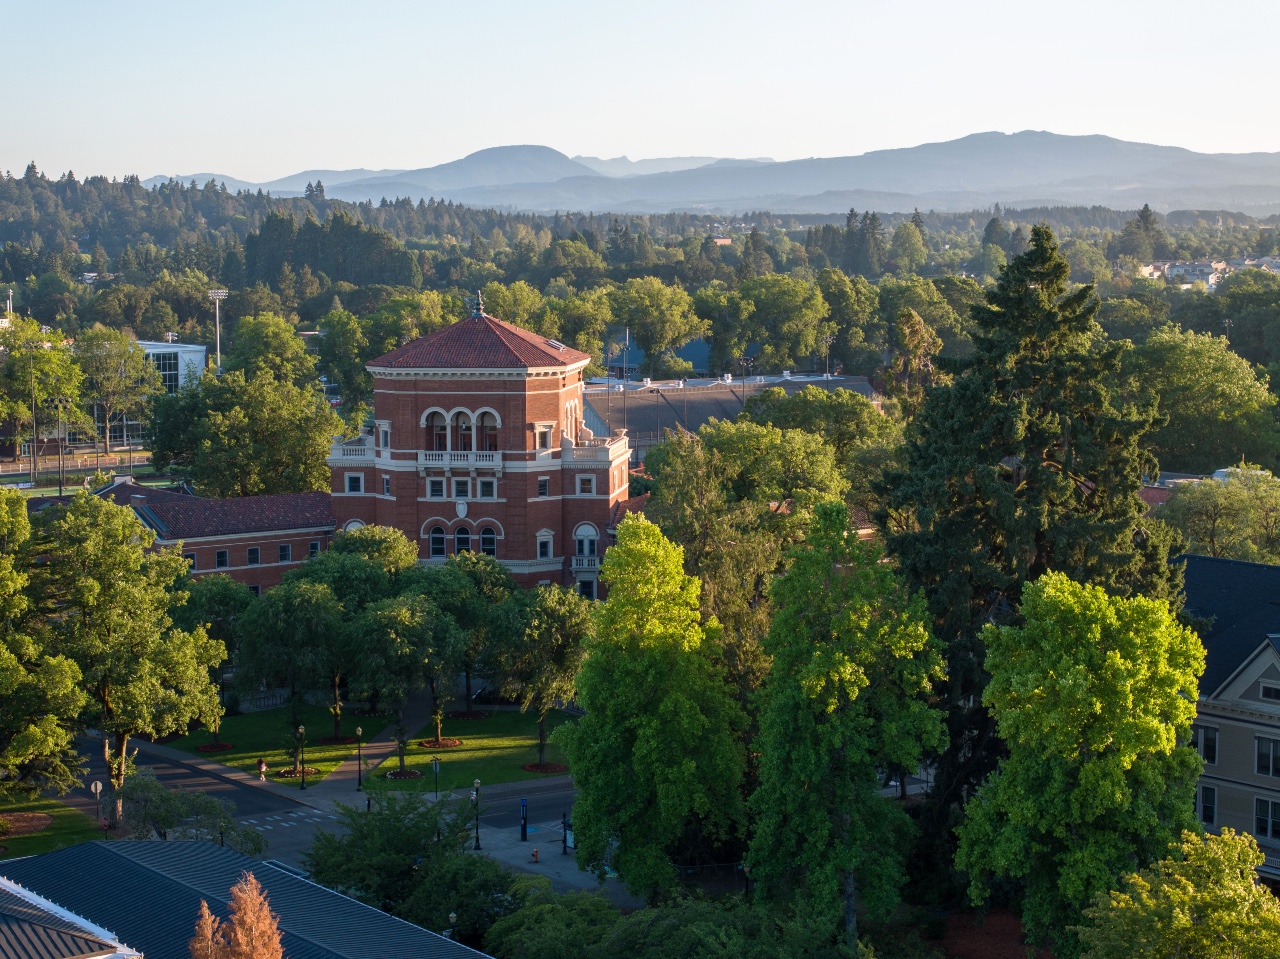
(28, 931)
(480, 342)
(1243, 600)
(149, 893)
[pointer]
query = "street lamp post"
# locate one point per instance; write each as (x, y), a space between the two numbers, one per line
(61, 403)
(435, 764)
(359, 761)
(827, 340)
(477, 787)
(96, 789)
(302, 752)
(218, 296)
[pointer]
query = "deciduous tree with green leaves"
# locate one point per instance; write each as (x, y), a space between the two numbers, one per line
(656, 757)
(118, 375)
(1237, 517)
(234, 436)
(1202, 901)
(541, 648)
(40, 694)
(661, 320)
(847, 697)
(267, 342)
(107, 595)
(1092, 697)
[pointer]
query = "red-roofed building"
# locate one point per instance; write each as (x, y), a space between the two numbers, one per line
(478, 443)
(253, 539)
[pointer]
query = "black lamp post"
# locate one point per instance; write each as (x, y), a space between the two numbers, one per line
(746, 363)
(453, 925)
(359, 761)
(477, 786)
(302, 751)
(435, 764)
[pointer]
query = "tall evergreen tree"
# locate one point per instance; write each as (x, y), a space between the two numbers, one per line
(1024, 464)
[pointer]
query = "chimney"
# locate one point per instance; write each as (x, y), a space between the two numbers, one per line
(138, 500)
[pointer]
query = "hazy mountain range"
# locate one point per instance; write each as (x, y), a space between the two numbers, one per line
(1030, 168)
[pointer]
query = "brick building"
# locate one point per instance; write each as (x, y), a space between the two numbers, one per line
(253, 539)
(478, 443)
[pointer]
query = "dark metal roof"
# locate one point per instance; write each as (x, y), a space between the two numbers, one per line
(1243, 600)
(30, 932)
(149, 894)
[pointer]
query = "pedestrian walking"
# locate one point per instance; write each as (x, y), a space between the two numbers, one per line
(262, 770)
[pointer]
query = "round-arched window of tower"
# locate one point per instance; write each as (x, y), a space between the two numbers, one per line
(462, 541)
(436, 541)
(489, 541)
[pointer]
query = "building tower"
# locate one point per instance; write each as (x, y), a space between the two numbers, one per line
(478, 443)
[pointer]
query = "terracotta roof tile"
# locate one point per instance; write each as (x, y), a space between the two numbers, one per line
(1154, 496)
(193, 517)
(624, 507)
(480, 342)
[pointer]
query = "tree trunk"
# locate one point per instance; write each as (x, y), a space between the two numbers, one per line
(466, 706)
(117, 772)
(850, 910)
(542, 739)
(337, 709)
(106, 432)
(902, 784)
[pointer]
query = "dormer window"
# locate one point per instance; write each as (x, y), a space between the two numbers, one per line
(1269, 691)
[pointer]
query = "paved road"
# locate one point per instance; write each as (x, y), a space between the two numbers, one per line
(175, 774)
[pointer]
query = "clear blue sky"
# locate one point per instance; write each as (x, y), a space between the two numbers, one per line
(261, 89)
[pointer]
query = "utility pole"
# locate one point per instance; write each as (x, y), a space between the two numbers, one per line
(218, 296)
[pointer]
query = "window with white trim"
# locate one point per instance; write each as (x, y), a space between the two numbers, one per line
(488, 488)
(461, 488)
(355, 482)
(1268, 757)
(255, 589)
(1208, 803)
(544, 547)
(385, 435)
(191, 560)
(544, 486)
(462, 541)
(386, 486)
(586, 485)
(435, 489)
(1204, 740)
(286, 553)
(436, 541)
(542, 438)
(587, 588)
(222, 559)
(489, 541)
(1266, 816)
(254, 556)
(313, 548)
(586, 545)
(1269, 691)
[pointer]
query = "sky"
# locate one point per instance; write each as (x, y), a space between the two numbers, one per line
(259, 90)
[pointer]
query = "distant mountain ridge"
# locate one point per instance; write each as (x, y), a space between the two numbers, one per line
(1019, 169)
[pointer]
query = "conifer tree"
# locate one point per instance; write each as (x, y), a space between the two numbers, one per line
(1025, 464)
(252, 932)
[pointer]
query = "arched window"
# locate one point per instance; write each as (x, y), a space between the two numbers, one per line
(437, 541)
(488, 541)
(437, 433)
(487, 430)
(462, 432)
(462, 541)
(585, 539)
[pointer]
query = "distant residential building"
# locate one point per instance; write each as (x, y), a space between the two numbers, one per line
(150, 892)
(1209, 272)
(1237, 727)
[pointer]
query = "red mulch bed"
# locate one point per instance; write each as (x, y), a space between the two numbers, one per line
(545, 768)
(25, 823)
(291, 773)
(216, 747)
(469, 714)
(445, 743)
(998, 935)
(336, 740)
(407, 774)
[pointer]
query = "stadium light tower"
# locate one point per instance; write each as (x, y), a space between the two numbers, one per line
(218, 296)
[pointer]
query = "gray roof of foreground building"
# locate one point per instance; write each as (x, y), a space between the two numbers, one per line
(28, 931)
(1242, 600)
(149, 893)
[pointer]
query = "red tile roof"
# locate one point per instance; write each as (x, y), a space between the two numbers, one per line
(480, 342)
(623, 507)
(1154, 496)
(175, 515)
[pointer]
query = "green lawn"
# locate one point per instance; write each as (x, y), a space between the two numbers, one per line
(492, 750)
(264, 734)
(70, 826)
